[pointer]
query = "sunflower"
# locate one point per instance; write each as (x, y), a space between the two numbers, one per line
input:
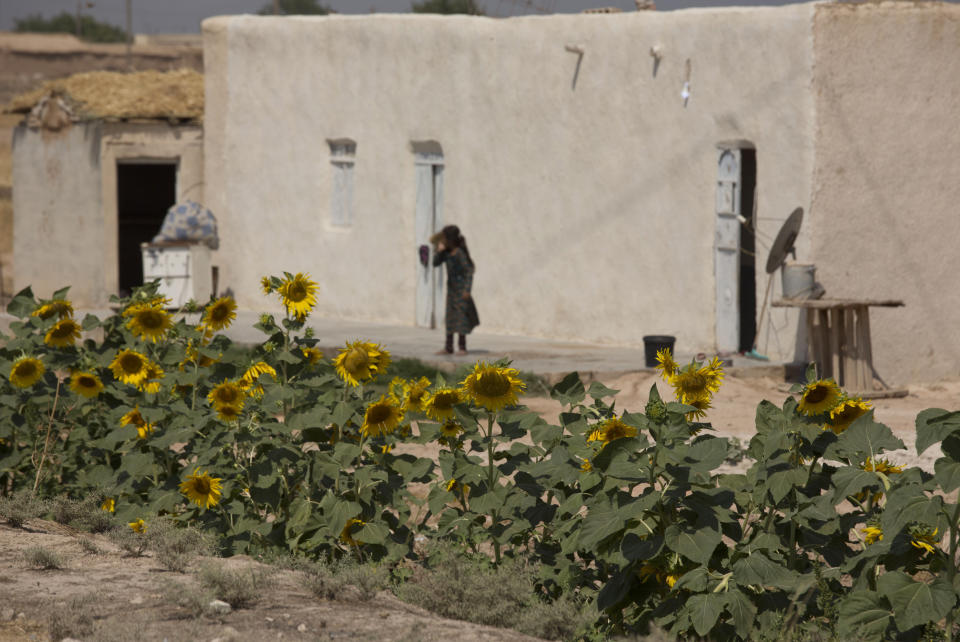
(872, 534)
(881, 466)
(415, 395)
(665, 363)
(702, 405)
(266, 284)
(146, 321)
(819, 397)
(226, 393)
(312, 355)
(220, 314)
(129, 366)
(360, 361)
(693, 383)
(440, 404)
(612, 429)
(248, 382)
(26, 371)
(151, 383)
(924, 539)
(463, 490)
(298, 293)
(139, 526)
(226, 412)
(348, 530)
(60, 307)
(586, 466)
(193, 356)
(135, 419)
(64, 332)
(492, 387)
(86, 384)
(382, 417)
(845, 413)
(202, 489)
(109, 505)
(450, 428)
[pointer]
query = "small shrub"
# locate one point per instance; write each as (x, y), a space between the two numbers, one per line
(237, 587)
(133, 544)
(337, 580)
(175, 546)
(43, 558)
(20, 507)
(84, 514)
(87, 545)
(456, 586)
(74, 620)
(194, 600)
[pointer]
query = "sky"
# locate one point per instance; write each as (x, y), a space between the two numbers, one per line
(178, 16)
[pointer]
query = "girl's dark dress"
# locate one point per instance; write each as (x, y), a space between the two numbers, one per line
(461, 314)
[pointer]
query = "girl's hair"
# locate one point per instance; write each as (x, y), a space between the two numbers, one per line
(453, 237)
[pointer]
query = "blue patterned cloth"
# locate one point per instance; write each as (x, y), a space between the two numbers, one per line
(189, 221)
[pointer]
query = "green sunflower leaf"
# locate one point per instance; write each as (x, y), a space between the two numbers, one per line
(863, 616)
(569, 391)
(697, 546)
(934, 425)
(704, 610)
(743, 612)
(850, 480)
(915, 603)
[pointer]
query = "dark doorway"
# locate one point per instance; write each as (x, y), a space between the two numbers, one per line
(145, 191)
(748, 249)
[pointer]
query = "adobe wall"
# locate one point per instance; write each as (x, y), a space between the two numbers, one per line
(884, 216)
(588, 207)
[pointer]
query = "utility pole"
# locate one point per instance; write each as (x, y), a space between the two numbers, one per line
(276, 7)
(129, 35)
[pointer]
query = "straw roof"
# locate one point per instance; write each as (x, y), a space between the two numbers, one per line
(108, 94)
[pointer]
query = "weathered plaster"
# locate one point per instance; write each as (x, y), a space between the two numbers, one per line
(884, 219)
(65, 200)
(589, 209)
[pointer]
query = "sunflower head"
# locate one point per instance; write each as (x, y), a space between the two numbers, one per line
(266, 284)
(226, 393)
(64, 333)
(298, 293)
(148, 322)
(151, 382)
(138, 526)
(441, 403)
(416, 395)
(129, 366)
(819, 397)
(202, 489)
(611, 429)
(229, 412)
(872, 534)
(493, 387)
(26, 371)
(349, 528)
(381, 418)
(57, 307)
(701, 405)
(450, 429)
(220, 314)
(846, 412)
(109, 505)
(881, 466)
(312, 355)
(695, 382)
(361, 361)
(665, 363)
(249, 381)
(85, 384)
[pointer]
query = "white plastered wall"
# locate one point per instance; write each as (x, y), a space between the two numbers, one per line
(65, 200)
(885, 220)
(588, 208)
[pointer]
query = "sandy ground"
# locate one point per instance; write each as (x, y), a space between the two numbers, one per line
(126, 593)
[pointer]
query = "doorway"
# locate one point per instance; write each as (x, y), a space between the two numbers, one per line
(735, 249)
(145, 191)
(428, 161)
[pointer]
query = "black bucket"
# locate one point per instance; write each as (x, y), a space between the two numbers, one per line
(654, 342)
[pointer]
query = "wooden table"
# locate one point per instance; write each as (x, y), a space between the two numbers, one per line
(838, 332)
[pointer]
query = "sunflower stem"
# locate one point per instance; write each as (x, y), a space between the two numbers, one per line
(494, 516)
(46, 440)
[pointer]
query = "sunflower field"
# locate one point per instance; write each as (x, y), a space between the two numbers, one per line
(278, 447)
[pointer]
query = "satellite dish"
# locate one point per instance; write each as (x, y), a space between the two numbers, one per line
(783, 244)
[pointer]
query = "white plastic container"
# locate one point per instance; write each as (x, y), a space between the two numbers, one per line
(183, 268)
(798, 280)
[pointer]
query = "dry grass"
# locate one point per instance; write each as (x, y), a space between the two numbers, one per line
(144, 94)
